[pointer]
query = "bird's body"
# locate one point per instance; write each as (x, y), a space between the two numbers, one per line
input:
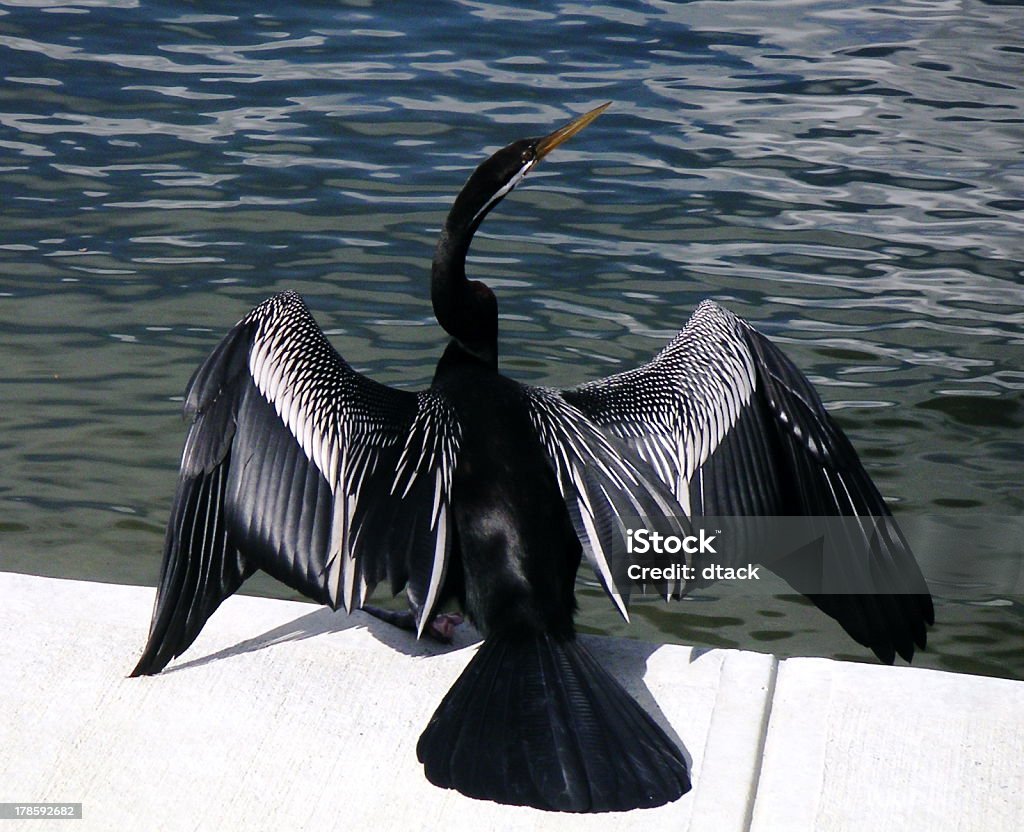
(489, 492)
(516, 547)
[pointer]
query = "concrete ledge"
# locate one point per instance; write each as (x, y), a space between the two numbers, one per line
(854, 747)
(284, 715)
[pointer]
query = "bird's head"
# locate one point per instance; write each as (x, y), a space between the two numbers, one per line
(495, 178)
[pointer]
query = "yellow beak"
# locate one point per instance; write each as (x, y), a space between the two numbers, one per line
(551, 141)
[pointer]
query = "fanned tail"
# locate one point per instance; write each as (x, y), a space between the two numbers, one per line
(534, 720)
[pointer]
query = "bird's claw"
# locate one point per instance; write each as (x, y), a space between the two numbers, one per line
(441, 628)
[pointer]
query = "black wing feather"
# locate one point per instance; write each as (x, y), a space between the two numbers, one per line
(605, 486)
(736, 430)
(298, 465)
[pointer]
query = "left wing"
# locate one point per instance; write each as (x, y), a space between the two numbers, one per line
(299, 465)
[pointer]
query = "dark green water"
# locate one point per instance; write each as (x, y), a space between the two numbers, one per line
(848, 176)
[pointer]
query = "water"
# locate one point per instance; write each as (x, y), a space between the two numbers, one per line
(848, 176)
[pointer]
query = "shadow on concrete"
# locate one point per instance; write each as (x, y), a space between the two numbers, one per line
(626, 660)
(323, 621)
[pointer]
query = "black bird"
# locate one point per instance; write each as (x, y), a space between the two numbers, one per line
(487, 491)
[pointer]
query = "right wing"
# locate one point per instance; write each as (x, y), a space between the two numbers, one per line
(299, 465)
(735, 430)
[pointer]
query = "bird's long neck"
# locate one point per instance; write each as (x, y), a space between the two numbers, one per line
(467, 309)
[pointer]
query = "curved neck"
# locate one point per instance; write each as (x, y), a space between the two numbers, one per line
(467, 309)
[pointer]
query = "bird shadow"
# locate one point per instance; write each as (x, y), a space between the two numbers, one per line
(624, 659)
(324, 622)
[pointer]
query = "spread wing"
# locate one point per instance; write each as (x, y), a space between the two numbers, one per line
(734, 429)
(299, 465)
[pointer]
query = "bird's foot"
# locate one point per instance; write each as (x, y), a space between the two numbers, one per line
(441, 628)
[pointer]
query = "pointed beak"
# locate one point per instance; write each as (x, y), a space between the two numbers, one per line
(553, 140)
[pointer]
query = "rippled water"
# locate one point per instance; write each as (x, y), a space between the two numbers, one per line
(848, 176)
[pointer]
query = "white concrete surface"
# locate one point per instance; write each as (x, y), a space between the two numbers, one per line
(856, 747)
(285, 716)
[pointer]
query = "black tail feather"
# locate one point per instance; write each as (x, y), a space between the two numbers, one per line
(536, 721)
